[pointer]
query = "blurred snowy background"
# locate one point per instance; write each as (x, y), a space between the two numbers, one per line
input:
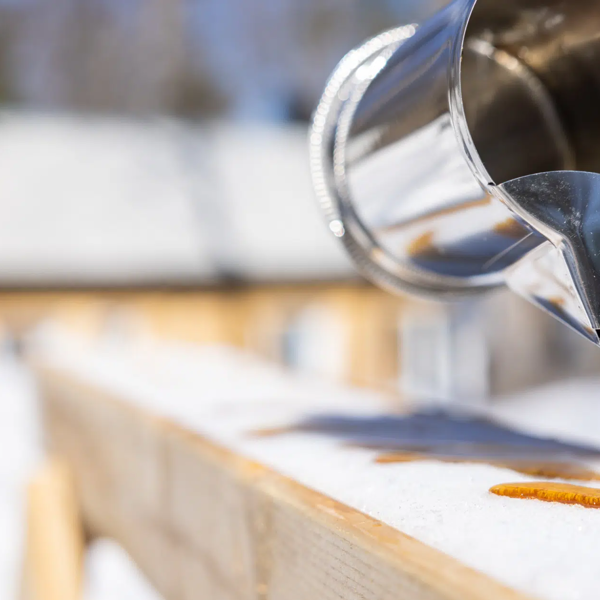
(251, 59)
(151, 143)
(146, 142)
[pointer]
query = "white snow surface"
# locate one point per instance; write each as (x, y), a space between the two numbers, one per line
(110, 574)
(98, 201)
(545, 550)
(20, 455)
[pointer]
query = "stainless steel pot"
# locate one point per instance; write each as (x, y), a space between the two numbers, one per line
(463, 154)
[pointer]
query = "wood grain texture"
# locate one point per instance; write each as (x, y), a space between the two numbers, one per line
(54, 550)
(203, 522)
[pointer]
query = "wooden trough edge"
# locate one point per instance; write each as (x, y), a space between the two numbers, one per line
(204, 522)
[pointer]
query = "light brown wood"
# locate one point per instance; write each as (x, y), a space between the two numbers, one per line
(53, 564)
(364, 320)
(205, 523)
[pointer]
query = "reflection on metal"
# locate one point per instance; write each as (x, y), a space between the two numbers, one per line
(453, 157)
(543, 278)
(565, 207)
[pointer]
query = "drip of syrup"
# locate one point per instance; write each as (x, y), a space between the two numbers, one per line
(563, 493)
(534, 468)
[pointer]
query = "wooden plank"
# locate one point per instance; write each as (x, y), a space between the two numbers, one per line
(360, 318)
(53, 564)
(205, 522)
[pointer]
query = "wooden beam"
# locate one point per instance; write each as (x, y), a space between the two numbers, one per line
(204, 522)
(54, 550)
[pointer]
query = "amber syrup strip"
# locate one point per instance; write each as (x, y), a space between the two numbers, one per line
(563, 493)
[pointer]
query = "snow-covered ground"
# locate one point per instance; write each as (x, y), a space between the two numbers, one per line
(20, 452)
(110, 573)
(98, 200)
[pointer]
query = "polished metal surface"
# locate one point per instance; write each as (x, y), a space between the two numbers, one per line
(565, 207)
(452, 155)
